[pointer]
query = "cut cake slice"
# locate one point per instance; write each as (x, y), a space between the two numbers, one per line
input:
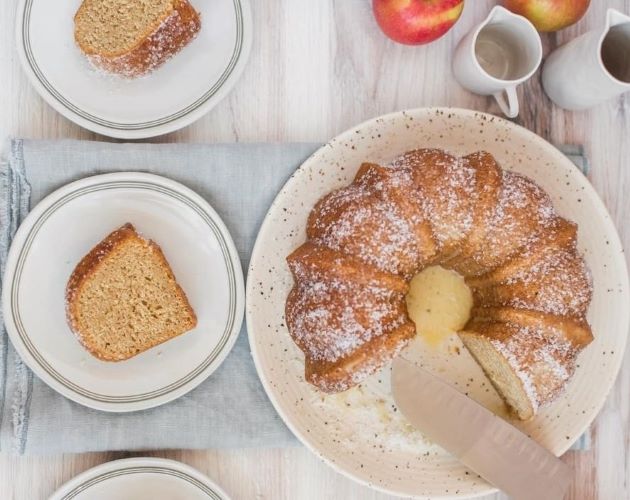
(123, 299)
(132, 37)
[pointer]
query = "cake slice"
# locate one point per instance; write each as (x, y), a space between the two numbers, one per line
(122, 298)
(133, 37)
(528, 356)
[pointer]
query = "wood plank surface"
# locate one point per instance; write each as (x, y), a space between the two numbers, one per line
(317, 68)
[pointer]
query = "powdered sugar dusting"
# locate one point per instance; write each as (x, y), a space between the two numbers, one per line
(373, 412)
(332, 319)
(542, 358)
(416, 211)
(444, 187)
(521, 194)
(360, 372)
(547, 275)
(523, 210)
(356, 221)
(169, 37)
(557, 283)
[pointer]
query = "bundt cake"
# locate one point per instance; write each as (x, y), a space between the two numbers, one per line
(498, 229)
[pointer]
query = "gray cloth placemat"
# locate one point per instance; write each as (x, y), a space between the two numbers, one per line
(228, 410)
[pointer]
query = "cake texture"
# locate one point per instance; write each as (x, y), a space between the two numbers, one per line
(531, 289)
(133, 37)
(122, 298)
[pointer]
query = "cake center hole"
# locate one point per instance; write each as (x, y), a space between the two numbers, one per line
(439, 303)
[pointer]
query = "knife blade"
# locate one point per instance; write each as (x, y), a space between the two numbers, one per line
(481, 440)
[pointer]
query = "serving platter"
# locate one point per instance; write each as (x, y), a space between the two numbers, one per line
(359, 432)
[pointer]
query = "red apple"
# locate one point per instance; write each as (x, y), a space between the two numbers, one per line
(549, 15)
(414, 22)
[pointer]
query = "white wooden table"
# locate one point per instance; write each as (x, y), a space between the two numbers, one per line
(317, 68)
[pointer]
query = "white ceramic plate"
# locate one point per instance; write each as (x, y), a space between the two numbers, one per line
(175, 95)
(359, 432)
(139, 479)
(62, 228)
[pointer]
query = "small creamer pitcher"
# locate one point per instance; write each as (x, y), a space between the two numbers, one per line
(498, 55)
(592, 68)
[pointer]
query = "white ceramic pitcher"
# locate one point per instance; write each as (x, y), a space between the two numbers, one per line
(592, 68)
(498, 55)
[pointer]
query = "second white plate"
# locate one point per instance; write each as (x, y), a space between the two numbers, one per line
(173, 96)
(138, 479)
(62, 228)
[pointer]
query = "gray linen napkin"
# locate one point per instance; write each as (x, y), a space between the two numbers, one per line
(229, 409)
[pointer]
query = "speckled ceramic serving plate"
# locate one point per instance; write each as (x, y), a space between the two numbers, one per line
(359, 432)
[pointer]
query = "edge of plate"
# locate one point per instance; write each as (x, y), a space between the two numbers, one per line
(560, 157)
(28, 359)
(142, 133)
(78, 480)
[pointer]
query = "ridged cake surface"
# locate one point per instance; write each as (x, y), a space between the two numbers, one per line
(498, 229)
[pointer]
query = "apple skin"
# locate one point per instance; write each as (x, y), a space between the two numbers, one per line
(549, 15)
(415, 22)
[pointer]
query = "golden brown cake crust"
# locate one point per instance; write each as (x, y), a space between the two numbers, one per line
(342, 349)
(90, 264)
(497, 228)
(340, 375)
(158, 44)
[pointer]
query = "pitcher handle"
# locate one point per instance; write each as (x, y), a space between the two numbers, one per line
(508, 102)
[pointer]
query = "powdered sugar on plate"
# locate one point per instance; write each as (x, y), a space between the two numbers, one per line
(374, 416)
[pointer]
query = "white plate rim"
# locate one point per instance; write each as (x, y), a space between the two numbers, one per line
(120, 404)
(172, 122)
(103, 472)
(304, 438)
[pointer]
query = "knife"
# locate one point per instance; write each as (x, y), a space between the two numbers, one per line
(481, 440)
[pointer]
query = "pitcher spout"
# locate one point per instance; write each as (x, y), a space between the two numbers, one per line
(500, 14)
(615, 18)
